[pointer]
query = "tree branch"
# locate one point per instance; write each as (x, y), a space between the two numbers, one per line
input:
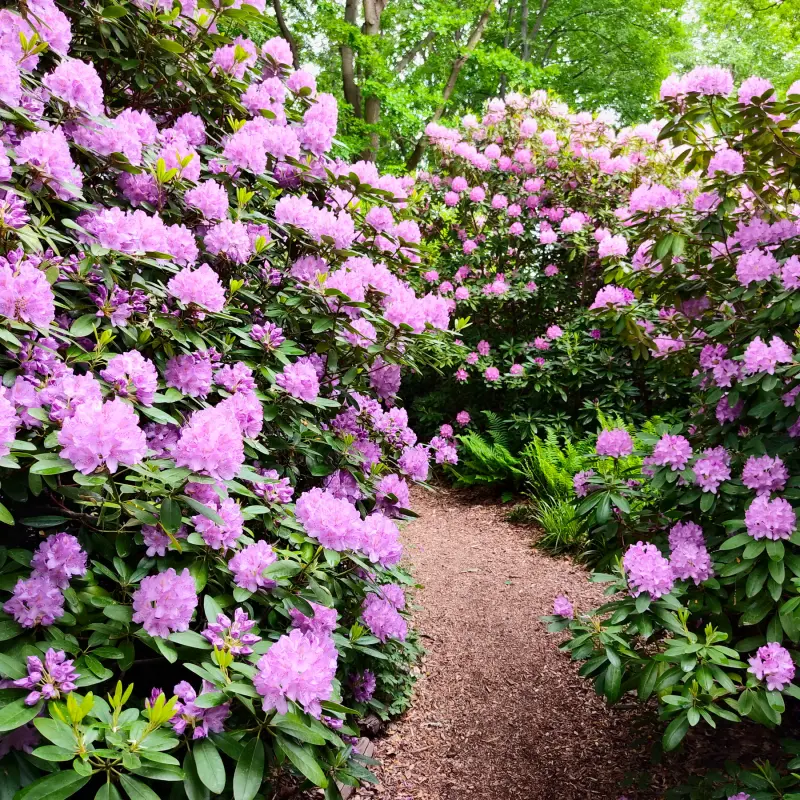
(473, 41)
(414, 52)
(286, 33)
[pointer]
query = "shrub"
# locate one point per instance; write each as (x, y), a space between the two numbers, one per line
(518, 212)
(202, 315)
(708, 616)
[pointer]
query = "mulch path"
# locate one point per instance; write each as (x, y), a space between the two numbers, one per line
(500, 713)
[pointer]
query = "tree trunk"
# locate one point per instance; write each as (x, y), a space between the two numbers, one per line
(473, 41)
(537, 24)
(372, 105)
(349, 85)
(403, 63)
(523, 31)
(506, 42)
(286, 33)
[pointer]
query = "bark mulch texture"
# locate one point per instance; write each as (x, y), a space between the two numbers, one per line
(500, 713)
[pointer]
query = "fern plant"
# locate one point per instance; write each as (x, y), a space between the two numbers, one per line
(487, 463)
(561, 529)
(549, 465)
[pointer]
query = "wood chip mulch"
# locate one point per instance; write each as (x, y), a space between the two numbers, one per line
(500, 713)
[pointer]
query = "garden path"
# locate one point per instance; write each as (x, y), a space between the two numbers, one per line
(499, 712)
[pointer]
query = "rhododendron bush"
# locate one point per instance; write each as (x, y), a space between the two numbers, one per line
(203, 320)
(521, 211)
(708, 619)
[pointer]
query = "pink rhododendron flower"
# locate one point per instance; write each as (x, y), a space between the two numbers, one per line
(298, 667)
(616, 443)
(773, 664)
(165, 603)
(646, 570)
(102, 435)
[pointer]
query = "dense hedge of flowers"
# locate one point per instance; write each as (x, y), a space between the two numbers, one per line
(521, 211)
(709, 618)
(203, 321)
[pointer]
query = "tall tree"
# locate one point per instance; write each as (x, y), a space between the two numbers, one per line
(396, 66)
(449, 87)
(750, 37)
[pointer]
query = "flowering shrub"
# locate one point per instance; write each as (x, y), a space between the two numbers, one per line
(203, 320)
(520, 212)
(708, 619)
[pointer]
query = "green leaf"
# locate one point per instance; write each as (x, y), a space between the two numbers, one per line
(740, 540)
(294, 726)
(59, 733)
(9, 630)
(57, 786)
(16, 713)
(171, 46)
(5, 515)
(303, 758)
(208, 763)
(84, 326)
(202, 508)
(249, 771)
(170, 515)
(114, 12)
(119, 613)
(107, 792)
(193, 786)
(52, 466)
(11, 668)
(612, 683)
(50, 752)
(190, 639)
(211, 607)
(210, 700)
(137, 790)
(675, 732)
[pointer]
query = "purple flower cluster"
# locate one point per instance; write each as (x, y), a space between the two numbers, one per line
(211, 444)
(647, 570)
(383, 619)
(563, 608)
(711, 468)
(50, 679)
(333, 522)
(770, 519)
(689, 559)
(299, 667)
(191, 717)
(164, 603)
(673, 451)
(363, 685)
(322, 623)
(616, 443)
(773, 664)
(300, 380)
(59, 558)
(248, 566)
(102, 435)
(233, 635)
(762, 357)
(612, 297)
(764, 474)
